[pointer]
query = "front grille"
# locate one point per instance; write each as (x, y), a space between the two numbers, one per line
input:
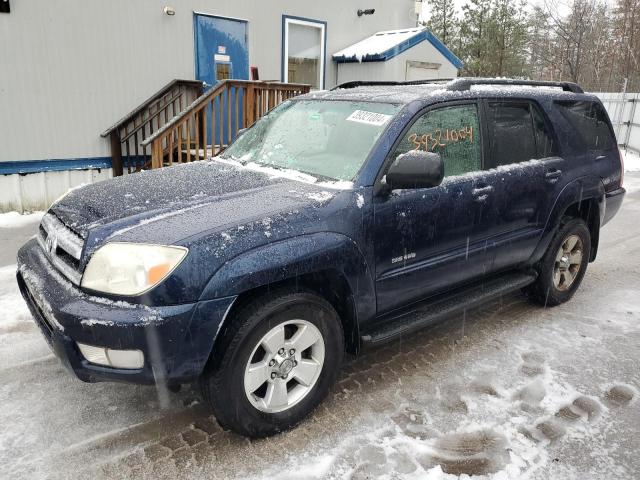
(62, 246)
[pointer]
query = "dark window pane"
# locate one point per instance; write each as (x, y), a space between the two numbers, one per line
(453, 132)
(511, 135)
(590, 121)
(544, 140)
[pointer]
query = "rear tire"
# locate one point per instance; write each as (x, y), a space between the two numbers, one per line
(283, 353)
(562, 268)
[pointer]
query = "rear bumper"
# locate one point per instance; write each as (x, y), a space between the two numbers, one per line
(176, 340)
(613, 203)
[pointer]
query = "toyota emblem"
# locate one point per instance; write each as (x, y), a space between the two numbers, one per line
(51, 243)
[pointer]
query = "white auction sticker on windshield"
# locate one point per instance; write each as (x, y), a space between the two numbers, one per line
(370, 118)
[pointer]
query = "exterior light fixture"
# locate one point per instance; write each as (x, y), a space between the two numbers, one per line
(368, 11)
(169, 10)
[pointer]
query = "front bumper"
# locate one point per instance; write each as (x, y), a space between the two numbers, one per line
(613, 203)
(176, 340)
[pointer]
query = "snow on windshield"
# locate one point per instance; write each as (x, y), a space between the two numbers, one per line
(326, 139)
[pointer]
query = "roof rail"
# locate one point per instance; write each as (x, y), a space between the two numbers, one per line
(460, 84)
(384, 83)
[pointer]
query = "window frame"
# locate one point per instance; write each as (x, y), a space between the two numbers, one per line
(307, 22)
(489, 127)
(436, 106)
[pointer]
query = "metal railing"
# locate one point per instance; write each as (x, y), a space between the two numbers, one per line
(212, 122)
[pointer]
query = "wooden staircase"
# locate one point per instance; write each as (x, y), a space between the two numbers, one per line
(180, 123)
(127, 134)
(211, 123)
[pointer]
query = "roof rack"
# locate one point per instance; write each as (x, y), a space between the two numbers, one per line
(461, 84)
(384, 83)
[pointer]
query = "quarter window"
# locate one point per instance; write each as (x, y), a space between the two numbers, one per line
(453, 132)
(591, 123)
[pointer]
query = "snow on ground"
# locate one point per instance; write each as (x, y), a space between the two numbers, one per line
(16, 325)
(631, 165)
(504, 392)
(631, 161)
(17, 220)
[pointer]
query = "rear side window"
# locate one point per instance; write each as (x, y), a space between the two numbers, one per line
(453, 132)
(590, 122)
(517, 133)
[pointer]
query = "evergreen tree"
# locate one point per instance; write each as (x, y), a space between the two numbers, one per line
(474, 35)
(443, 20)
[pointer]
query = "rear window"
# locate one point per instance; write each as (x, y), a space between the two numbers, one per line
(591, 123)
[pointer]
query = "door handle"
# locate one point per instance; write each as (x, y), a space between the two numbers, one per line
(553, 174)
(482, 191)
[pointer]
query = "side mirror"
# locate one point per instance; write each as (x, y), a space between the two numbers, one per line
(415, 169)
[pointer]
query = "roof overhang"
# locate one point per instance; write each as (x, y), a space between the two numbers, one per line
(358, 51)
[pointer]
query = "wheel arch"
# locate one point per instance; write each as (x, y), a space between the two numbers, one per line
(328, 264)
(583, 198)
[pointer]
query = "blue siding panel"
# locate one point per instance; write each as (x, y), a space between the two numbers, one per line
(54, 165)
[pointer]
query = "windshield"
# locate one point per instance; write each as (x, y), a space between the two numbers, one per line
(323, 138)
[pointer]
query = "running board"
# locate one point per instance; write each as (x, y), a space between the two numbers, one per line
(436, 309)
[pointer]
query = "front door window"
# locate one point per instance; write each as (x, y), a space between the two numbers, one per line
(453, 132)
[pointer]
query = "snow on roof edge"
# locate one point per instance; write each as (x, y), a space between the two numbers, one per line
(381, 46)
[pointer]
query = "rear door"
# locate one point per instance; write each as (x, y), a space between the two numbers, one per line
(525, 173)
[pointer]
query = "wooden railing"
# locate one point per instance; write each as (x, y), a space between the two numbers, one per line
(207, 126)
(127, 134)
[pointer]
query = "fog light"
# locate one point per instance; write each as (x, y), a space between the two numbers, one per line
(112, 358)
(93, 354)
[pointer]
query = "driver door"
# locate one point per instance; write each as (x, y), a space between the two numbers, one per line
(430, 239)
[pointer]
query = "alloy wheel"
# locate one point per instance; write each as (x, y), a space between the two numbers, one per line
(568, 262)
(284, 366)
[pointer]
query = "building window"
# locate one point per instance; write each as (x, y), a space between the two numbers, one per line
(303, 51)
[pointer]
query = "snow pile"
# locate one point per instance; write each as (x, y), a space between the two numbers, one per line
(631, 161)
(631, 166)
(17, 220)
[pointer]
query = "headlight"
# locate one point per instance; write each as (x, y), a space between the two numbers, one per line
(130, 268)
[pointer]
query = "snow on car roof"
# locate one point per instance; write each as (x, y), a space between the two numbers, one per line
(408, 92)
(399, 94)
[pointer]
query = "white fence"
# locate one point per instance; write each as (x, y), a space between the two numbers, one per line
(625, 115)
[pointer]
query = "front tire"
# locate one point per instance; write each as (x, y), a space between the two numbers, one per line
(283, 353)
(562, 268)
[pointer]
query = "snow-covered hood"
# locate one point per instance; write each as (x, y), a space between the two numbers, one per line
(177, 202)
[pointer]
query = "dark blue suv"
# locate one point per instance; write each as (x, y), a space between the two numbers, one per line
(340, 219)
